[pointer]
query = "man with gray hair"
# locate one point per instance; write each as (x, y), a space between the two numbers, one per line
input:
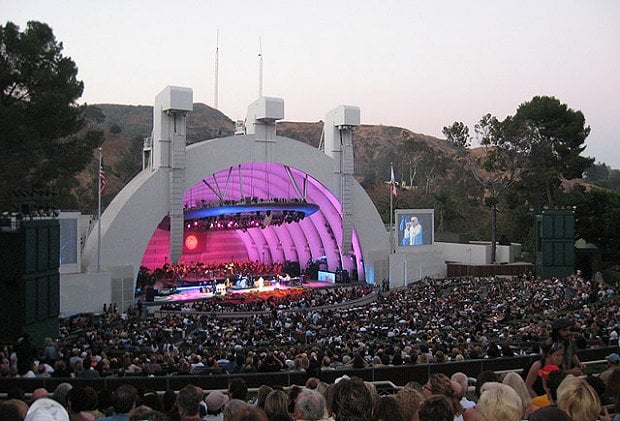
(232, 408)
(463, 382)
(310, 406)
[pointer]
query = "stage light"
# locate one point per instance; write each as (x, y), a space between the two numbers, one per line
(233, 215)
(191, 242)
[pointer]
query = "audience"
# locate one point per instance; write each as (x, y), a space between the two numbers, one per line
(549, 413)
(188, 403)
(553, 381)
(46, 409)
(13, 410)
(500, 402)
(233, 408)
(250, 413)
(613, 390)
(387, 408)
(80, 404)
(463, 381)
(276, 406)
(613, 362)
(440, 384)
(578, 399)
(397, 328)
(351, 401)
(551, 359)
(409, 400)
(517, 383)
(262, 394)
(216, 402)
(237, 389)
(123, 401)
(403, 326)
(310, 406)
(437, 408)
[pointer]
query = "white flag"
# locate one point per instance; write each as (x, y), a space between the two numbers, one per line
(392, 182)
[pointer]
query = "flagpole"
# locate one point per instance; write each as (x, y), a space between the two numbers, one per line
(391, 207)
(99, 212)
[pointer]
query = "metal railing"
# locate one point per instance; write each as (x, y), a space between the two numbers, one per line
(397, 375)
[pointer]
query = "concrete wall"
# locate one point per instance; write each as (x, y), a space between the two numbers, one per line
(422, 261)
(478, 253)
(84, 292)
(416, 263)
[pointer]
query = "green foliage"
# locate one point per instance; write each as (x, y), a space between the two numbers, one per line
(421, 165)
(458, 135)
(447, 209)
(94, 114)
(46, 139)
(130, 162)
(603, 176)
(500, 166)
(598, 172)
(553, 147)
(597, 216)
(526, 156)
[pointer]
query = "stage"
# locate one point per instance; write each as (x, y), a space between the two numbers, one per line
(202, 292)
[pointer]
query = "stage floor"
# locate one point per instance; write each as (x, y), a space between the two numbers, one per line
(194, 293)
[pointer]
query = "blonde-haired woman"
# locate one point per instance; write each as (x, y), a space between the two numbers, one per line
(579, 400)
(276, 405)
(515, 381)
(499, 402)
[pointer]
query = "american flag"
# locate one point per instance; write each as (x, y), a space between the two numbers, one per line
(101, 177)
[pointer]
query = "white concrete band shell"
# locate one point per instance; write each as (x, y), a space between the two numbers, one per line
(347, 215)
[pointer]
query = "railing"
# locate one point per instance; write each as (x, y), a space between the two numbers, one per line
(398, 375)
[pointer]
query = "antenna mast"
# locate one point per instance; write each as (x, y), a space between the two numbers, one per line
(260, 68)
(217, 60)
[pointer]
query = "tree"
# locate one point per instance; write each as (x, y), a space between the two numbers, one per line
(554, 143)
(45, 138)
(458, 135)
(598, 172)
(410, 156)
(115, 129)
(501, 164)
(446, 208)
(130, 162)
(597, 217)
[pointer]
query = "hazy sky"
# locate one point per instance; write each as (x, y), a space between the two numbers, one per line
(415, 64)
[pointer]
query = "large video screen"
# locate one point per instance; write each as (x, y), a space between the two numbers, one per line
(414, 227)
(325, 276)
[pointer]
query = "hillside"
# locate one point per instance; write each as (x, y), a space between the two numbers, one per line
(202, 123)
(374, 146)
(430, 171)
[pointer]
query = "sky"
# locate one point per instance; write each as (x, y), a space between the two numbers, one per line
(421, 65)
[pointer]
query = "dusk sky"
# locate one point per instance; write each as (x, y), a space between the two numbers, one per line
(420, 65)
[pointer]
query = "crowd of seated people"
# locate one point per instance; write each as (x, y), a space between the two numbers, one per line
(298, 298)
(346, 399)
(431, 321)
(172, 275)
